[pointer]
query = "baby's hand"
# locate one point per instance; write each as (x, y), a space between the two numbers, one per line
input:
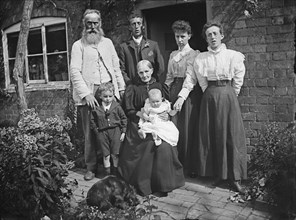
(151, 118)
(122, 136)
(164, 116)
(146, 117)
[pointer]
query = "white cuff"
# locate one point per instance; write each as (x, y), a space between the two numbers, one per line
(184, 93)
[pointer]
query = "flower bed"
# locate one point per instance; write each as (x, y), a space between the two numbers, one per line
(272, 168)
(32, 166)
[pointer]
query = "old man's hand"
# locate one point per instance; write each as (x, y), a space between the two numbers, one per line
(91, 101)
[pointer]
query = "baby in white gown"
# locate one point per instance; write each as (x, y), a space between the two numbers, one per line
(152, 123)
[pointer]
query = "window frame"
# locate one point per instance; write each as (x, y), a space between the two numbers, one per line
(36, 23)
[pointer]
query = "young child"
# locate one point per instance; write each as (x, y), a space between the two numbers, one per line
(109, 122)
(152, 123)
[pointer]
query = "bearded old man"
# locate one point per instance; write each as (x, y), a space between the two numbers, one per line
(93, 61)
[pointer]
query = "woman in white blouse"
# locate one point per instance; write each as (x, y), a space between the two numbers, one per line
(180, 62)
(221, 139)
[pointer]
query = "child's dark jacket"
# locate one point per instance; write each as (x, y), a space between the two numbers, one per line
(114, 117)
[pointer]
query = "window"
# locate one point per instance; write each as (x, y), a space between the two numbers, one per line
(46, 59)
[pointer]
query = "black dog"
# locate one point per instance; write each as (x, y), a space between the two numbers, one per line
(111, 191)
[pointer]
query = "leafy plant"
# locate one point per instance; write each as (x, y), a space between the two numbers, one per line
(33, 166)
(272, 168)
(76, 153)
(251, 7)
(145, 210)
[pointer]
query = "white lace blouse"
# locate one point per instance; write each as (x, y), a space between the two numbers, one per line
(222, 64)
(179, 61)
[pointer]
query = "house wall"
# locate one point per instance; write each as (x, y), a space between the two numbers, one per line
(54, 101)
(46, 102)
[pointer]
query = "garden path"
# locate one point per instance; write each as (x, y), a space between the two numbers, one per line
(196, 200)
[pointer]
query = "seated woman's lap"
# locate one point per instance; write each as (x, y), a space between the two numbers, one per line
(147, 167)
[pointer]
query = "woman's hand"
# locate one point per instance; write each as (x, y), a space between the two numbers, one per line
(178, 104)
(164, 116)
(140, 114)
(146, 117)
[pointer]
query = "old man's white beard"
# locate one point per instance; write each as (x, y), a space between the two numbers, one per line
(92, 36)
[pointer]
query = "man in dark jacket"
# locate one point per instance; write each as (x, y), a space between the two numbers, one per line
(139, 48)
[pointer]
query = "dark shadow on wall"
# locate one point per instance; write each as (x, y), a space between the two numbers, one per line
(228, 12)
(295, 55)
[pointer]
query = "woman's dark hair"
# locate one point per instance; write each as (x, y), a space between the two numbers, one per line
(211, 24)
(181, 25)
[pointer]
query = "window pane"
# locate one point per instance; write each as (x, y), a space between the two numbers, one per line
(35, 42)
(56, 38)
(12, 39)
(11, 66)
(57, 67)
(36, 70)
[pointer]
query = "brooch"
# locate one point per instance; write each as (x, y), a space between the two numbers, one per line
(146, 44)
(150, 53)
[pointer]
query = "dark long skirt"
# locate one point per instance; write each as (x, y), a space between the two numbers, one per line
(147, 167)
(186, 121)
(222, 147)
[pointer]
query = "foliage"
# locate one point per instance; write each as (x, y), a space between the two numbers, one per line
(33, 166)
(272, 168)
(144, 210)
(3, 93)
(75, 133)
(251, 7)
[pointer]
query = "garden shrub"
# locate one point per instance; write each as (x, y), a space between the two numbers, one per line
(144, 210)
(272, 167)
(76, 134)
(33, 166)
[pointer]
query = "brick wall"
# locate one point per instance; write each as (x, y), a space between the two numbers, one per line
(46, 102)
(267, 39)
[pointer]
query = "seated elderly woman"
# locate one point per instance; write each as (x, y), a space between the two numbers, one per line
(149, 168)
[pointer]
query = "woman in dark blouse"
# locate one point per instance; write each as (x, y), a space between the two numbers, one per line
(150, 168)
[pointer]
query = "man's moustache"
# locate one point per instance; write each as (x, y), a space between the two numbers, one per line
(92, 31)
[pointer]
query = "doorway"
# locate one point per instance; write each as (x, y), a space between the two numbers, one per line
(159, 21)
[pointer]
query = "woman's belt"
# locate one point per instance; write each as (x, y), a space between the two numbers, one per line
(219, 83)
(176, 79)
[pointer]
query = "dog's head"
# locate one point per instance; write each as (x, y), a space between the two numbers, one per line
(131, 196)
(111, 191)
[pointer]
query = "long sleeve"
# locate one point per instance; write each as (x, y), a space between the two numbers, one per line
(169, 77)
(123, 119)
(190, 79)
(122, 61)
(159, 62)
(116, 68)
(202, 80)
(239, 72)
(79, 85)
(93, 119)
(128, 104)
